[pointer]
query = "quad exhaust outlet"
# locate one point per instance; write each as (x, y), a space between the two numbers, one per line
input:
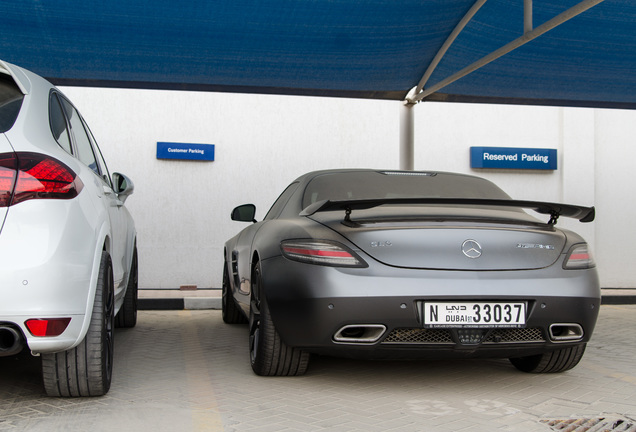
(360, 333)
(566, 332)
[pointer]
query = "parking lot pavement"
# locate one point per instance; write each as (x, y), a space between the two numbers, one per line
(186, 370)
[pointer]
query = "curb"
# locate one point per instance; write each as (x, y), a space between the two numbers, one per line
(197, 303)
(618, 300)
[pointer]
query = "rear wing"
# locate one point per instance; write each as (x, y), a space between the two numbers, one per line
(583, 214)
(18, 76)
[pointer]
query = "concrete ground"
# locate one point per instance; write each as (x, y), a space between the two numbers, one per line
(185, 370)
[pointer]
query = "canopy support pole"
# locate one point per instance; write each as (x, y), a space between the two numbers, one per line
(527, 37)
(447, 44)
(407, 137)
(527, 16)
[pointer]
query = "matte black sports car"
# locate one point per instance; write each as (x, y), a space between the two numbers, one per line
(387, 264)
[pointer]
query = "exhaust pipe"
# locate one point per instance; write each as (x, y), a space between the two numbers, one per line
(10, 341)
(360, 333)
(566, 332)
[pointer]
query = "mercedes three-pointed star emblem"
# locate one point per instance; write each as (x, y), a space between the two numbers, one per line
(471, 249)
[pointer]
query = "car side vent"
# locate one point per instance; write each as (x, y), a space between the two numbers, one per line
(235, 275)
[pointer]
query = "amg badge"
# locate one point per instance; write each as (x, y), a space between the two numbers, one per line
(534, 246)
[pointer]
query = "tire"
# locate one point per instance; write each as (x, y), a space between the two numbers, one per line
(127, 315)
(269, 356)
(232, 314)
(550, 362)
(86, 370)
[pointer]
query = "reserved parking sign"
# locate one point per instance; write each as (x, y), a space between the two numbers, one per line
(513, 158)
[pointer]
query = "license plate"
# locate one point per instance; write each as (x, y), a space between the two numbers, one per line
(474, 314)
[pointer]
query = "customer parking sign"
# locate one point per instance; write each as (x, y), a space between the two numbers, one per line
(185, 151)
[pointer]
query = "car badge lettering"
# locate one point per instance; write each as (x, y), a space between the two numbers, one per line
(471, 249)
(381, 244)
(534, 246)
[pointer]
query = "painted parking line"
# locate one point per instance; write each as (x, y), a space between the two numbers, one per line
(204, 408)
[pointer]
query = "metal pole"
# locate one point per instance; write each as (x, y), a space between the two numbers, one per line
(407, 137)
(527, 16)
(447, 44)
(527, 37)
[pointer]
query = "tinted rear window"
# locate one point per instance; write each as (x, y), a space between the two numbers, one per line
(388, 184)
(10, 102)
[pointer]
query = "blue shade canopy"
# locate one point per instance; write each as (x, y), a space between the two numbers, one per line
(348, 48)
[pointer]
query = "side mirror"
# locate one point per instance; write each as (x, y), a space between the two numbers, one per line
(123, 186)
(244, 213)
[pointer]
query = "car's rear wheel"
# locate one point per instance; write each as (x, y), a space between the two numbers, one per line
(550, 362)
(269, 356)
(86, 370)
(127, 315)
(231, 313)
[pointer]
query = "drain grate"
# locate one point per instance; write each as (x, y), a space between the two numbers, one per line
(593, 424)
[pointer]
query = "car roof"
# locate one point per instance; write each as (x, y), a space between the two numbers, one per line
(313, 174)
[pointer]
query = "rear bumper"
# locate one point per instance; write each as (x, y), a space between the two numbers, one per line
(71, 336)
(311, 304)
(48, 268)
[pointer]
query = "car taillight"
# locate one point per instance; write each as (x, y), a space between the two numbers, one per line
(321, 252)
(25, 176)
(579, 257)
(48, 326)
(8, 169)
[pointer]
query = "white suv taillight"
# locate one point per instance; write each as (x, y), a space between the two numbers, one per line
(321, 252)
(25, 176)
(579, 257)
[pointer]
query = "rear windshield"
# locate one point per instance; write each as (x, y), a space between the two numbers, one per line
(386, 184)
(10, 102)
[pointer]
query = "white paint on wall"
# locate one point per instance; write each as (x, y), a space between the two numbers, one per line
(263, 142)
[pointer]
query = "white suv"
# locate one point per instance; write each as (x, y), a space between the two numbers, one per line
(68, 260)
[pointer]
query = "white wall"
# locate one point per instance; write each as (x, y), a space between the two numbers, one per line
(263, 142)
(615, 138)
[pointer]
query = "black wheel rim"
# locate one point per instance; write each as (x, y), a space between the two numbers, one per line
(135, 286)
(109, 307)
(255, 333)
(255, 316)
(224, 293)
(135, 275)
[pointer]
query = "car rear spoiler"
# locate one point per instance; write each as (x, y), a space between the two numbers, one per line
(18, 76)
(583, 214)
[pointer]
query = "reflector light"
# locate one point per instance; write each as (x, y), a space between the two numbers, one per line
(579, 257)
(321, 252)
(25, 176)
(47, 326)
